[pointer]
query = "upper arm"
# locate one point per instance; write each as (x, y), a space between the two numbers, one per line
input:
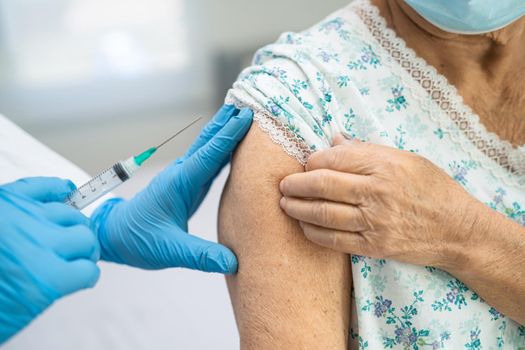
(288, 292)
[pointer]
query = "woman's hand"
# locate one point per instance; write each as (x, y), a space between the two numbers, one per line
(382, 202)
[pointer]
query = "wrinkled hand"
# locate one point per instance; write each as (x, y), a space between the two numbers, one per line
(150, 231)
(47, 250)
(381, 202)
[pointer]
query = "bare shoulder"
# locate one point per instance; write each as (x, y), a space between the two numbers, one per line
(288, 293)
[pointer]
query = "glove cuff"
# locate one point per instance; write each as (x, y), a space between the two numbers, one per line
(98, 224)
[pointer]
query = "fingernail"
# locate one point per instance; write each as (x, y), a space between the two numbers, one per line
(224, 114)
(231, 264)
(340, 138)
(220, 259)
(282, 202)
(246, 113)
(241, 124)
(281, 186)
(71, 185)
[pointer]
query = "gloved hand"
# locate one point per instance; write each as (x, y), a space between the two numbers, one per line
(47, 250)
(150, 230)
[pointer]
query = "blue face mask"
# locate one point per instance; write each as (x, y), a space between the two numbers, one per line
(469, 16)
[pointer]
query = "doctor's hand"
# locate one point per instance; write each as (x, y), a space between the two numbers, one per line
(150, 230)
(382, 202)
(46, 250)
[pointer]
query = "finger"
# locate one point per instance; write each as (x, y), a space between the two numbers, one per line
(75, 242)
(64, 215)
(206, 162)
(214, 125)
(327, 184)
(200, 197)
(340, 139)
(184, 250)
(43, 213)
(357, 158)
(75, 275)
(44, 189)
(56, 227)
(55, 276)
(210, 256)
(346, 242)
(327, 214)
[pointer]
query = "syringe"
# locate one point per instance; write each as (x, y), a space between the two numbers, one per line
(114, 176)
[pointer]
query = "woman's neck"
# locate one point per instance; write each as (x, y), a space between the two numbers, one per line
(483, 67)
(493, 54)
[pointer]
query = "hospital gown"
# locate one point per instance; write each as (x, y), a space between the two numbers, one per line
(351, 73)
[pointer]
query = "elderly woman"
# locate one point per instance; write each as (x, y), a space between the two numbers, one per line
(428, 195)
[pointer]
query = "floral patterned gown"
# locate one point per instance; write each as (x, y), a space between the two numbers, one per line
(352, 74)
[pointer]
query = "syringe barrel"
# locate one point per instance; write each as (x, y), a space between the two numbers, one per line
(102, 184)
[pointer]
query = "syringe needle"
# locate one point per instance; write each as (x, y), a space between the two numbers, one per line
(177, 133)
(113, 177)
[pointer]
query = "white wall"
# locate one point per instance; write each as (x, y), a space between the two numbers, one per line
(237, 23)
(217, 26)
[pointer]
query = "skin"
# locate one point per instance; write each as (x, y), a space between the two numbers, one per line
(378, 201)
(382, 202)
(288, 293)
(482, 67)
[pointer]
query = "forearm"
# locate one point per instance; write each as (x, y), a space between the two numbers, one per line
(493, 265)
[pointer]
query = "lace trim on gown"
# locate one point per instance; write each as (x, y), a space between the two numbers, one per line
(279, 134)
(506, 162)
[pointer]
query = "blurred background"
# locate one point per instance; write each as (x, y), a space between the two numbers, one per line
(99, 80)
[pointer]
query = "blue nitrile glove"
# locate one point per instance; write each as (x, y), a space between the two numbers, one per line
(150, 230)
(47, 250)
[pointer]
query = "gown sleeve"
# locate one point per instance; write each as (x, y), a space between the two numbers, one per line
(297, 91)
